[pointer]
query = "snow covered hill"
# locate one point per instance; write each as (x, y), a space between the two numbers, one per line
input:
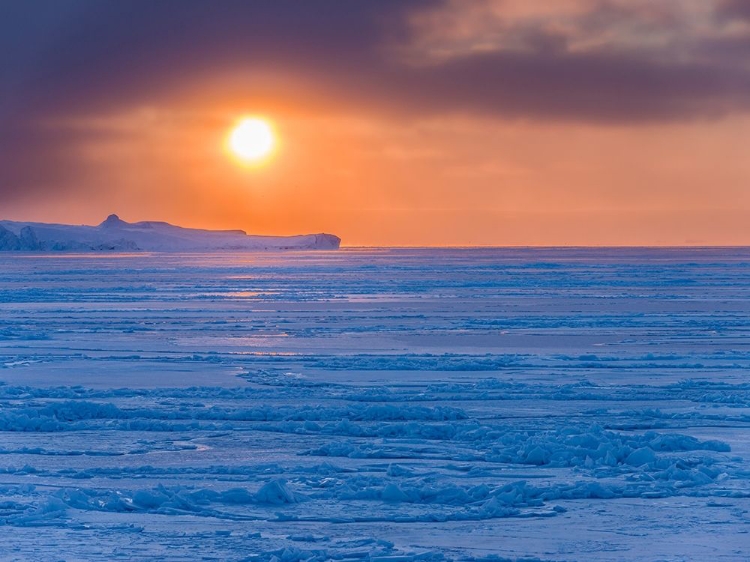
(115, 234)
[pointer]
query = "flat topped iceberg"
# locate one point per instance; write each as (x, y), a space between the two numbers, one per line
(114, 234)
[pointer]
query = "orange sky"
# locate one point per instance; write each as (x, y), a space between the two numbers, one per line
(376, 170)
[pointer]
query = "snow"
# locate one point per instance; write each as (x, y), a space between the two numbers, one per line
(376, 405)
(114, 234)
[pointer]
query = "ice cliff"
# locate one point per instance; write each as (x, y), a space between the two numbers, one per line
(114, 234)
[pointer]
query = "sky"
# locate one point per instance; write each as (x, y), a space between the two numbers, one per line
(406, 123)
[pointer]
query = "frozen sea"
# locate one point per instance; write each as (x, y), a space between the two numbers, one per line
(375, 405)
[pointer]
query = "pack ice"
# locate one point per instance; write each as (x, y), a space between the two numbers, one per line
(376, 405)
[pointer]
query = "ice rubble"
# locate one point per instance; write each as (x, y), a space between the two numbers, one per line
(461, 405)
(608, 464)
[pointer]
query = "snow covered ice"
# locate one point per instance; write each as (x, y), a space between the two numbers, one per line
(114, 234)
(376, 405)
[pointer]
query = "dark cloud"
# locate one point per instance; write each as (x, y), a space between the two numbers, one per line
(61, 58)
(84, 55)
(74, 57)
(734, 9)
(79, 53)
(606, 88)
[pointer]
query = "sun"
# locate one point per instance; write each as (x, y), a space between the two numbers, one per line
(252, 140)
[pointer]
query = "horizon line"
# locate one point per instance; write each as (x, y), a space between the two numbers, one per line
(550, 247)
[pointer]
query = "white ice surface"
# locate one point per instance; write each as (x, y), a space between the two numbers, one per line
(376, 405)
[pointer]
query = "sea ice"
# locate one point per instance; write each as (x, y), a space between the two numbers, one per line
(376, 405)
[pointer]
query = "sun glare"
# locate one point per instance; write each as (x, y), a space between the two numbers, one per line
(252, 140)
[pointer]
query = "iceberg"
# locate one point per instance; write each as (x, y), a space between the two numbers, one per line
(116, 235)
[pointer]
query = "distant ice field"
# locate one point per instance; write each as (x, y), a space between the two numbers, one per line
(376, 405)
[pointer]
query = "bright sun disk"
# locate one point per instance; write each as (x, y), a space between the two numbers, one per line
(252, 139)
